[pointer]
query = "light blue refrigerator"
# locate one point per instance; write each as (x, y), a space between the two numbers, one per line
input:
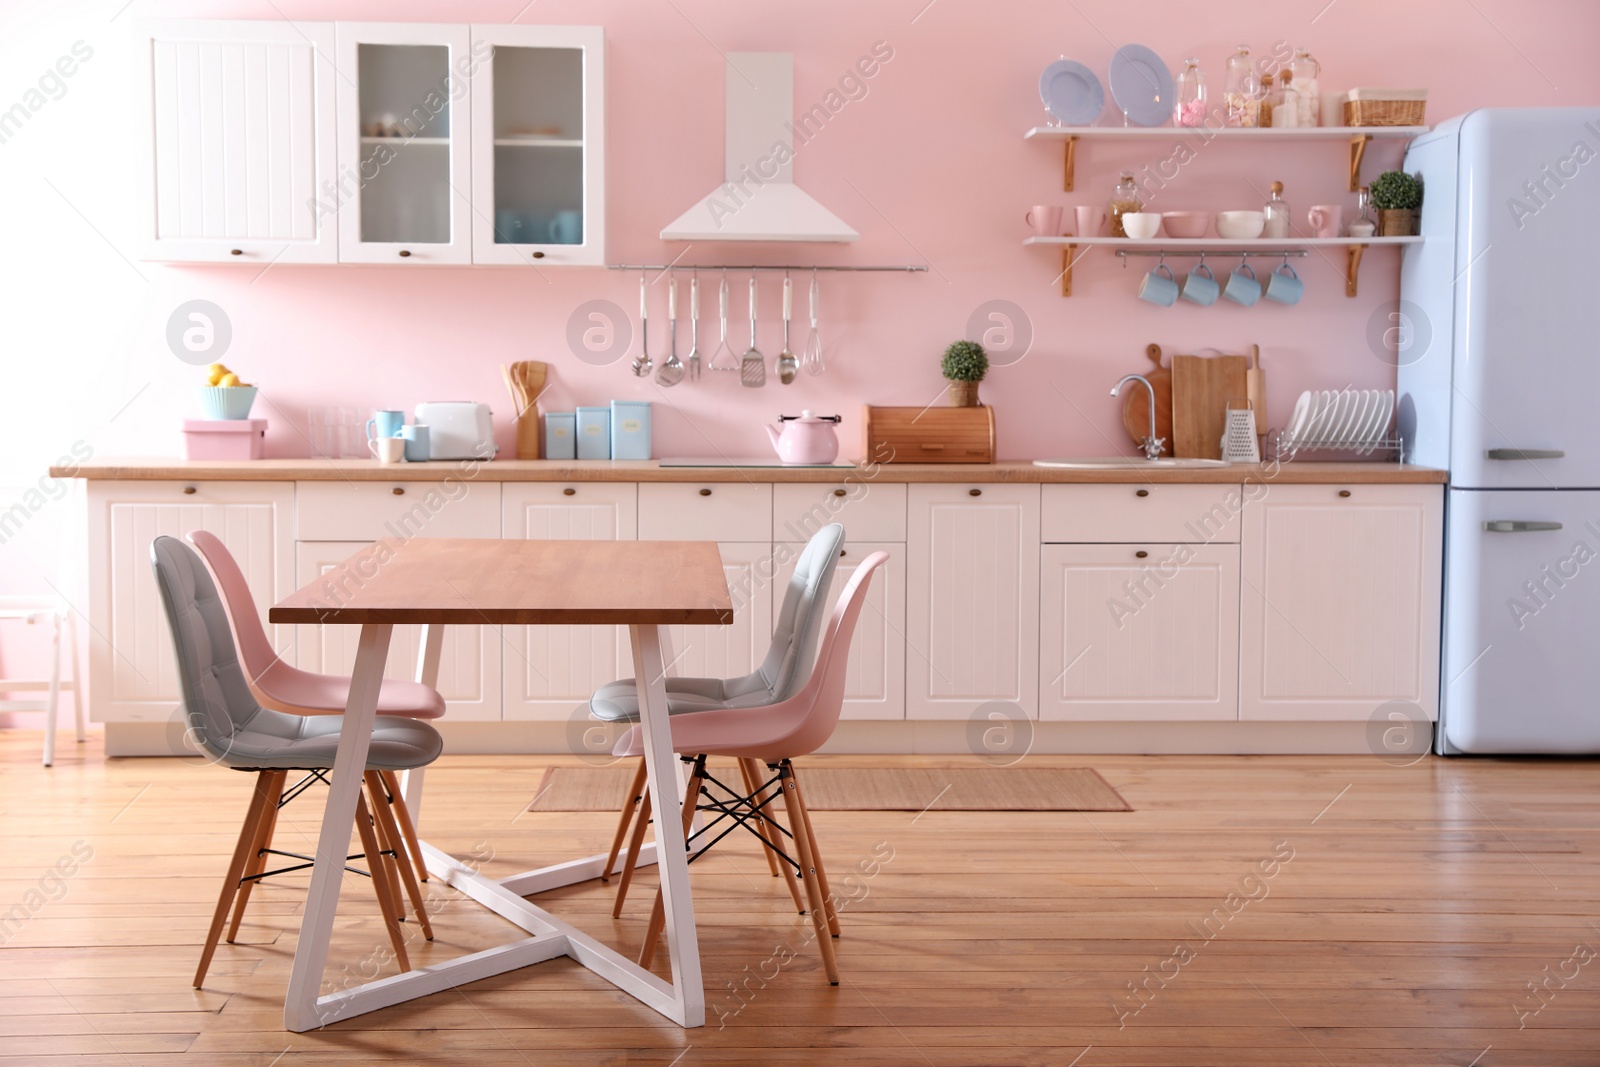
(1498, 346)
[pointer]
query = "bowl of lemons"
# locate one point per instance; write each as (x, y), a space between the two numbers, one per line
(224, 396)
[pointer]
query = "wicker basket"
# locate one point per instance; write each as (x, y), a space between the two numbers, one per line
(1384, 112)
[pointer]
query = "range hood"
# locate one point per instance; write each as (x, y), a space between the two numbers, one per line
(759, 200)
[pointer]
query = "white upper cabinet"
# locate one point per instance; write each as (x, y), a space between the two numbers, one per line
(538, 145)
(239, 117)
(405, 161)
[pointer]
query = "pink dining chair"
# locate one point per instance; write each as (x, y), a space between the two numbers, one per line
(772, 735)
(283, 687)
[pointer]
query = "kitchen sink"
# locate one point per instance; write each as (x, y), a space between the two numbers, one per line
(1108, 463)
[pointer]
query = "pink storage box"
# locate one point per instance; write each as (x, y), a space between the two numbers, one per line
(224, 438)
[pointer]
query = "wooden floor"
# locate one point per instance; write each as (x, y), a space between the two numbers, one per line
(1380, 915)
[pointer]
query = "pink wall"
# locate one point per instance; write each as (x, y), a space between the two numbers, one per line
(930, 166)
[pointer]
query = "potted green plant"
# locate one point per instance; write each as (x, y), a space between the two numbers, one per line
(964, 365)
(1397, 196)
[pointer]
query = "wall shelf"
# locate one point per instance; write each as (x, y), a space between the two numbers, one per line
(1355, 248)
(1358, 137)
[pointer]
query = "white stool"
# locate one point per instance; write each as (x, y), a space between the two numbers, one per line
(56, 614)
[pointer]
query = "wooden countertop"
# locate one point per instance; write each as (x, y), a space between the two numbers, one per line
(525, 470)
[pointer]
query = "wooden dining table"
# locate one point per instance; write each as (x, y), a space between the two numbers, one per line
(644, 585)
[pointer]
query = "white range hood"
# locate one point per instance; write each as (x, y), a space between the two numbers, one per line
(759, 201)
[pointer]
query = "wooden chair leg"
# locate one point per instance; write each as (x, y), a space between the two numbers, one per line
(635, 798)
(383, 864)
(752, 780)
(380, 881)
(819, 907)
(258, 849)
(770, 826)
(402, 862)
(658, 913)
(641, 822)
(816, 853)
(230, 884)
(408, 828)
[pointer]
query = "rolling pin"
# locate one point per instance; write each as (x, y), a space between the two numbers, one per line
(1255, 389)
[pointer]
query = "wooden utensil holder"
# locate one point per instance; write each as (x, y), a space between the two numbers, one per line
(527, 425)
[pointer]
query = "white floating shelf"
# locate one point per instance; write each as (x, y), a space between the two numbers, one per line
(1204, 133)
(405, 140)
(1263, 244)
(543, 142)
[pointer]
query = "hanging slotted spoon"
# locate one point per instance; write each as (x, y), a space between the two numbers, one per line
(671, 372)
(723, 358)
(787, 365)
(811, 361)
(641, 362)
(753, 368)
(694, 327)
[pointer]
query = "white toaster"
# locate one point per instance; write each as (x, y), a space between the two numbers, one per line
(457, 429)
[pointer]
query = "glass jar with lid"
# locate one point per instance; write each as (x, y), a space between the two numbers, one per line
(1276, 214)
(1190, 107)
(1307, 81)
(1124, 199)
(1269, 96)
(1241, 90)
(1286, 102)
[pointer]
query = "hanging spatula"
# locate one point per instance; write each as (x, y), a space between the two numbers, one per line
(753, 368)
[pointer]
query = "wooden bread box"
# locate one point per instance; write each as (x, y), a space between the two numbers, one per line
(929, 435)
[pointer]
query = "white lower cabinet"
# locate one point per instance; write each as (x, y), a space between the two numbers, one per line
(550, 670)
(132, 673)
(753, 570)
(469, 658)
(1139, 632)
(972, 599)
(875, 684)
(1340, 604)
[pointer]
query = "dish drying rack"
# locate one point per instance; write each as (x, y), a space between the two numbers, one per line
(1280, 452)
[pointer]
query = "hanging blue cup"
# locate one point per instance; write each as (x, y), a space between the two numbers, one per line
(1159, 287)
(1242, 286)
(1284, 285)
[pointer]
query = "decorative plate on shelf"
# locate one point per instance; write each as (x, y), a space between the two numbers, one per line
(1141, 85)
(1071, 93)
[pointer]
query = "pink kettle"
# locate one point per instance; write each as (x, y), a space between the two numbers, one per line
(807, 439)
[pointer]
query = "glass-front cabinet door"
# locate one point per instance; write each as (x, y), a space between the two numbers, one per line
(538, 145)
(404, 131)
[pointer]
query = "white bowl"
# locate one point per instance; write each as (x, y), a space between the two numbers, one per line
(1141, 225)
(1240, 225)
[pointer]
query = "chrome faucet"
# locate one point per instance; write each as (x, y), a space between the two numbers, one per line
(1151, 443)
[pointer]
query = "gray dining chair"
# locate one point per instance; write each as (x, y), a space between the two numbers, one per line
(782, 673)
(225, 720)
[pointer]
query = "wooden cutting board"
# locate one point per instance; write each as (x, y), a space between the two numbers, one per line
(1201, 389)
(1136, 409)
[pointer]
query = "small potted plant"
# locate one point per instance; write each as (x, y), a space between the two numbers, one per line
(1397, 196)
(964, 365)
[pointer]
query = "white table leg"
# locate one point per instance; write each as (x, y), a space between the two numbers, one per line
(427, 674)
(53, 700)
(682, 943)
(338, 816)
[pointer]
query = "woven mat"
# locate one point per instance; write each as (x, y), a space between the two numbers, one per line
(869, 788)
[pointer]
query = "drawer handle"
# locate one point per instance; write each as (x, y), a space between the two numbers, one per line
(843, 552)
(838, 492)
(1142, 492)
(235, 251)
(538, 255)
(569, 491)
(1525, 453)
(404, 253)
(705, 492)
(188, 490)
(1141, 554)
(1519, 526)
(974, 492)
(397, 491)
(1344, 492)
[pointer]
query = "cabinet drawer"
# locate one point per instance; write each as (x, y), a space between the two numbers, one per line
(710, 512)
(869, 511)
(1192, 514)
(340, 511)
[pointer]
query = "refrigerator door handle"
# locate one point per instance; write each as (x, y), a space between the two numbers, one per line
(1525, 453)
(1519, 526)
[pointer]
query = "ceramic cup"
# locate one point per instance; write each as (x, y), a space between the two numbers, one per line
(1091, 221)
(1284, 285)
(1242, 286)
(1046, 221)
(388, 449)
(1141, 225)
(1159, 287)
(416, 438)
(385, 424)
(1200, 286)
(1326, 219)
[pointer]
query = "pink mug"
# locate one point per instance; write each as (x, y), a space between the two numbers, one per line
(1046, 221)
(1326, 220)
(1091, 220)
